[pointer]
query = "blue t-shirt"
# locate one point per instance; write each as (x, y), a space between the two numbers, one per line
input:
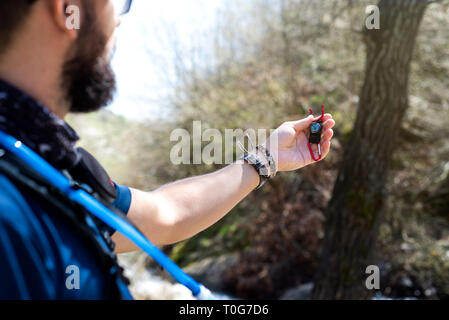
(42, 256)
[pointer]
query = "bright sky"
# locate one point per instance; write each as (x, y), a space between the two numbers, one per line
(143, 51)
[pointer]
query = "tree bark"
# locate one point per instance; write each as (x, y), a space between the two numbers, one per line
(438, 201)
(356, 207)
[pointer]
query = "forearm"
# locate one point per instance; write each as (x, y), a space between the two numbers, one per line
(180, 210)
(197, 203)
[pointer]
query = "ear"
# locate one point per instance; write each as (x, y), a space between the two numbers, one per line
(66, 16)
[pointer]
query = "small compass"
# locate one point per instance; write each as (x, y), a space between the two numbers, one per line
(315, 131)
(315, 127)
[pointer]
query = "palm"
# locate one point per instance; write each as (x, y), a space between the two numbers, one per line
(293, 150)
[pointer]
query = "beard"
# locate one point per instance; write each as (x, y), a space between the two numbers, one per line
(88, 80)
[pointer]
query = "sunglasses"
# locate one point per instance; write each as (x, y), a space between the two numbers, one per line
(121, 6)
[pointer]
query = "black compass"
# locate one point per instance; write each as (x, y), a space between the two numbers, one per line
(315, 131)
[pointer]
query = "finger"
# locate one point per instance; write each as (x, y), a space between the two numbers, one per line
(328, 124)
(314, 148)
(326, 117)
(325, 148)
(302, 124)
(328, 134)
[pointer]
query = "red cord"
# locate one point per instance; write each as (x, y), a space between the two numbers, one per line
(312, 153)
(322, 113)
(308, 143)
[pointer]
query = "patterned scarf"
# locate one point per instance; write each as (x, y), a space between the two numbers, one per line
(37, 127)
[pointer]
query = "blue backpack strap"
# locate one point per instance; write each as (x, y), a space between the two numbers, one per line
(81, 221)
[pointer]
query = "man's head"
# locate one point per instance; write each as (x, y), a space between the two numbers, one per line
(68, 68)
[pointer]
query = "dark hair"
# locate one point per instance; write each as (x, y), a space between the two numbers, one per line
(12, 15)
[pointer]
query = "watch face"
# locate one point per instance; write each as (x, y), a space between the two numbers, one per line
(315, 127)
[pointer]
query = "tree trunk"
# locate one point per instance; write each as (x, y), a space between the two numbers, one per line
(355, 209)
(438, 201)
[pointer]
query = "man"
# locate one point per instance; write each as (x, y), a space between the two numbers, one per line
(48, 69)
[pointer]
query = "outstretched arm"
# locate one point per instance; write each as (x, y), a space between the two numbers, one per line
(180, 210)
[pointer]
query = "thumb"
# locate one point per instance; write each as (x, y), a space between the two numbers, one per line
(303, 124)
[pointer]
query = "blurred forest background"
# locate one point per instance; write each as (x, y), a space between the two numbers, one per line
(271, 61)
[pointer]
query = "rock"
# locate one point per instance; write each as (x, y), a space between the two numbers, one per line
(151, 284)
(146, 285)
(210, 271)
(303, 292)
(151, 287)
(406, 282)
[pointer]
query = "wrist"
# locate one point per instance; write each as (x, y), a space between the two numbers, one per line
(258, 166)
(263, 163)
(270, 163)
(272, 150)
(261, 160)
(250, 173)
